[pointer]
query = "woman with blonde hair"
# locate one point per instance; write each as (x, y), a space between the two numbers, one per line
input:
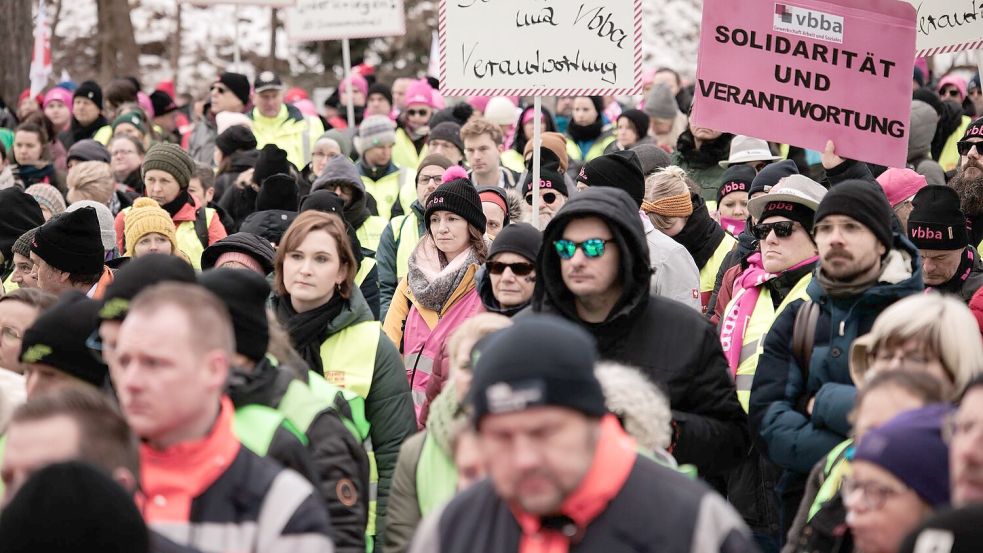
(91, 180)
(929, 333)
(674, 207)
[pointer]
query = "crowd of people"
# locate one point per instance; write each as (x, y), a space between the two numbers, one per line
(237, 323)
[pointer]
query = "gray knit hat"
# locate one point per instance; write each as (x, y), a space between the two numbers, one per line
(375, 131)
(660, 103)
(23, 244)
(47, 196)
(171, 159)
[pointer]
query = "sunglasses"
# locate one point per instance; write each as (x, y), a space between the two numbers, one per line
(954, 93)
(592, 247)
(783, 229)
(219, 89)
(518, 269)
(549, 198)
(415, 112)
(964, 146)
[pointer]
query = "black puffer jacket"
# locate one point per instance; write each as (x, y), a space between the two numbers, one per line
(668, 341)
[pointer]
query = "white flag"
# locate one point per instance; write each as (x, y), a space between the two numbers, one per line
(41, 58)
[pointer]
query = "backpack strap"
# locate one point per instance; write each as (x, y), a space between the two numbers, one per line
(201, 226)
(804, 336)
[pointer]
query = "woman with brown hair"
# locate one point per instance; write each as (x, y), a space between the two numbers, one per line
(33, 162)
(438, 293)
(332, 328)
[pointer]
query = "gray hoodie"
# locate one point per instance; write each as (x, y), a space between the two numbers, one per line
(924, 120)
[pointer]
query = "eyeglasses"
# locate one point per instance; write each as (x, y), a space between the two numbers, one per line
(219, 89)
(549, 197)
(951, 92)
(964, 146)
(911, 360)
(957, 426)
(518, 269)
(10, 333)
(424, 179)
(592, 247)
(783, 229)
(415, 112)
(848, 229)
(872, 494)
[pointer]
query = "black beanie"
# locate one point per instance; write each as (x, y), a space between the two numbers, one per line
(936, 221)
(277, 192)
(238, 84)
(271, 161)
(91, 91)
(974, 130)
(323, 200)
(863, 201)
(381, 88)
(19, 213)
(548, 180)
(620, 169)
(242, 242)
(235, 138)
(737, 178)
(541, 360)
(72, 507)
(521, 238)
(449, 132)
(639, 120)
(140, 273)
(57, 339)
(790, 210)
(245, 294)
(162, 103)
(771, 174)
(72, 242)
(457, 196)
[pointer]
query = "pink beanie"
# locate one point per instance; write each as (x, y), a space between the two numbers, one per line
(900, 184)
(358, 82)
(956, 81)
(58, 93)
(145, 104)
(240, 258)
(420, 92)
(306, 107)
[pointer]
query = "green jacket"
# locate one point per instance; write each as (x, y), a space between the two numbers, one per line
(386, 258)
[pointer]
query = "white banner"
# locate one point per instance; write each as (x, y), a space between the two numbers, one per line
(948, 25)
(544, 48)
(312, 20)
(270, 3)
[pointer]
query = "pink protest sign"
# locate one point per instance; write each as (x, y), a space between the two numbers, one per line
(802, 72)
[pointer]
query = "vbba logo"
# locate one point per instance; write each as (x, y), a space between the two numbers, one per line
(808, 23)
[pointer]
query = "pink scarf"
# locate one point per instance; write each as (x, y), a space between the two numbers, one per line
(735, 320)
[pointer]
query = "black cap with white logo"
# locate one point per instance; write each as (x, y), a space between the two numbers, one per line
(267, 80)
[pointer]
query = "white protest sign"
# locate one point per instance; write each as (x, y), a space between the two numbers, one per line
(312, 20)
(948, 26)
(540, 47)
(270, 3)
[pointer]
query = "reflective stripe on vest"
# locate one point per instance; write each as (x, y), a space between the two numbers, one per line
(407, 234)
(363, 270)
(385, 191)
(596, 149)
(708, 272)
(418, 364)
(255, 426)
(835, 470)
(757, 326)
(370, 232)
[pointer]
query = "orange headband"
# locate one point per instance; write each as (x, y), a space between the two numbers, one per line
(679, 205)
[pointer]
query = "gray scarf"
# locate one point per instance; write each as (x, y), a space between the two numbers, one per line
(431, 282)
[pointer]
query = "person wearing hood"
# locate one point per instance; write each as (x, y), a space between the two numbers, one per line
(924, 121)
(587, 134)
(341, 177)
(167, 171)
(683, 215)
(586, 274)
(87, 119)
(332, 328)
(937, 227)
(241, 250)
(699, 152)
(325, 149)
(414, 126)
(382, 178)
(277, 122)
(269, 394)
(276, 208)
(235, 152)
(403, 233)
(674, 274)
(507, 279)
(802, 390)
(438, 293)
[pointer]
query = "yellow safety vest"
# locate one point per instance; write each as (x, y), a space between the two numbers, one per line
(596, 149)
(385, 191)
(348, 360)
(404, 152)
(708, 273)
(363, 270)
(370, 232)
(949, 158)
(103, 135)
(762, 318)
(512, 159)
(407, 192)
(9, 285)
(407, 237)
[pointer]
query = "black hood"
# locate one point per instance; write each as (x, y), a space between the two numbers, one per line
(620, 212)
(487, 295)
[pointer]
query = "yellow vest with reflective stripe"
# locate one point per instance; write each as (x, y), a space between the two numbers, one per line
(363, 270)
(512, 159)
(407, 237)
(187, 239)
(371, 231)
(708, 273)
(407, 192)
(404, 152)
(596, 149)
(837, 466)
(385, 191)
(762, 318)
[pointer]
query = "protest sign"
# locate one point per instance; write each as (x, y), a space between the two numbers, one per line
(948, 25)
(803, 72)
(545, 48)
(270, 3)
(313, 20)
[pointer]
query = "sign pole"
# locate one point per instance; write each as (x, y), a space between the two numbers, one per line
(235, 52)
(537, 141)
(346, 55)
(979, 62)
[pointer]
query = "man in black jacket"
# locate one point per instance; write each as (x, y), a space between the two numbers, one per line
(592, 274)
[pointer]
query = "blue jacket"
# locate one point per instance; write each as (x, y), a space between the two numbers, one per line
(791, 438)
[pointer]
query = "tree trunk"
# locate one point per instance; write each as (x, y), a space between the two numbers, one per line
(176, 47)
(271, 61)
(118, 52)
(55, 43)
(16, 43)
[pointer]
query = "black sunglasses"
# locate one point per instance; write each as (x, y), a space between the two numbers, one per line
(964, 146)
(783, 229)
(219, 89)
(953, 92)
(415, 112)
(518, 269)
(548, 197)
